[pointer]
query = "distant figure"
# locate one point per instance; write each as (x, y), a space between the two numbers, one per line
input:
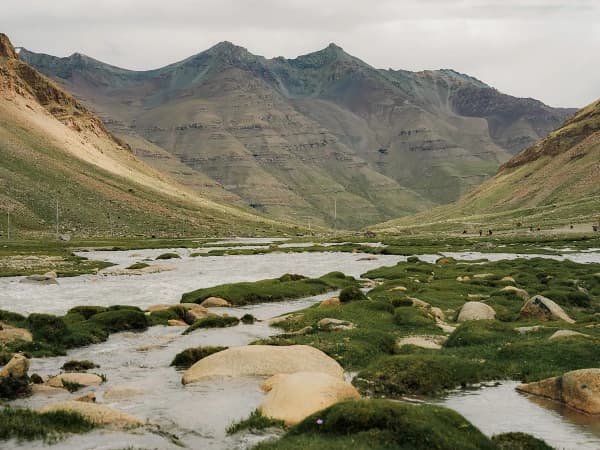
(464, 231)
(571, 227)
(539, 228)
(531, 228)
(490, 232)
(480, 232)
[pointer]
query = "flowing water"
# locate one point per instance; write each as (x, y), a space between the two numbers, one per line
(198, 414)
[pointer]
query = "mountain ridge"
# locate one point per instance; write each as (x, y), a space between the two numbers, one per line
(286, 136)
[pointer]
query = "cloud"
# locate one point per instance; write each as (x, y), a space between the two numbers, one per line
(540, 48)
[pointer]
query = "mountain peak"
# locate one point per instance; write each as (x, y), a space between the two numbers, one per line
(6, 48)
(324, 57)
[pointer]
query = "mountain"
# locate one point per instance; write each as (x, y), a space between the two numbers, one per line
(53, 149)
(293, 137)
(555, 181)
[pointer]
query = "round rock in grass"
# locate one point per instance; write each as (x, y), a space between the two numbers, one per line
(476, 311)
(578, 389)
(10, 334)
(566, 333)
(542, 308)
(262, 360)
(98, 414)
(333, 301)
(521, 293)
(329, 324)
(215, 302)
(293, 397)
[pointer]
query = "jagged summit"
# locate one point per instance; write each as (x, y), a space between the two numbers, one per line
(324, 57)
(6, 48)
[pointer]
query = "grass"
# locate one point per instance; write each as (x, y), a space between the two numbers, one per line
(188, 357)
(213, 322)
(138, 266)
(285, 287)
(168, 256)
(71, 386)
(519, 441)
(351, 293)
(255, 422)
(382, 425)
(27, 425)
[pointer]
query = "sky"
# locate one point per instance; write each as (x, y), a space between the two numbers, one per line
(545, 49)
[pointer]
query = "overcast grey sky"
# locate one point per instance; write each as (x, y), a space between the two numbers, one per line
(547, 49)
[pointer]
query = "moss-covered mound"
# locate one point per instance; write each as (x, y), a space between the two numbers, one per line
(382, 424)
(190, 356)
(519, 441)
(213, 322)
(286, 287)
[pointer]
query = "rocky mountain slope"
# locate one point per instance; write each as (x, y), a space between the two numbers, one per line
(291, 137)
(54, 149)
(555, 181)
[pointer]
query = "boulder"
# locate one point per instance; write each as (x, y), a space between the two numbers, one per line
(521, 293)
(215, 302)
(525, 330)
(542, 308)
(508, 280)
(463, 279)
(399, 288)
(477, 296)
(40, 279)
(430, 342)
(82, 378)
(437, 313)
(121, 393)
(419, 303)
(293, 397)
(262, 360)
(9, 334)
(446, 328)
(329, 324)
(566, 333)
(17, 367)
(476, 311)
(176, 323)
(333, 301)
(284, 318)
(90, 397)
(161, 307)
(98, 414)
(46, 390)
(445, 260)
(578, 389)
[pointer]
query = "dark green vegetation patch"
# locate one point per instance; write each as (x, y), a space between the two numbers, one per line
(382, 424)
(286, 287)
(213, 322)
(188, 357)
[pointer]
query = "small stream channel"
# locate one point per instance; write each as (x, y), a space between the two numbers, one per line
(199, 413)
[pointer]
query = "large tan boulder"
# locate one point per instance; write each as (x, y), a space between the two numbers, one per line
(579, 389)
(17, 367)
(98, 414)
(542, 308)
(476, 311)
(215, 302)
(521, 293)
(82, 378)
(9, 334)
(262, 360)
(293, 397)
(122, 393)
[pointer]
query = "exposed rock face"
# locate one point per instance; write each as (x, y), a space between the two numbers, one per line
(215, 302)
(6, 48)
(445, 260)
(293, 397)
(99, 414)
(579, 389)
(40, 279)
(17, 367)
(262, 360)
(542, 308)
(476, 311)
(85, 379)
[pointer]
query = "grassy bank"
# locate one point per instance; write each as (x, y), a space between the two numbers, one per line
(285, 287)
